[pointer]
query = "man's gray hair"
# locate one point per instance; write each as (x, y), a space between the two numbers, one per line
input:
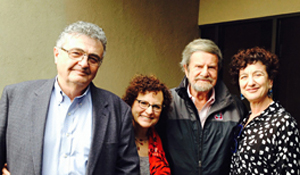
(83, 28)
(204, 45)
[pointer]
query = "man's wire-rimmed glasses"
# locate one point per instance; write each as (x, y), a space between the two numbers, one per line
(78, 54)
(145, 105)
(237, 131)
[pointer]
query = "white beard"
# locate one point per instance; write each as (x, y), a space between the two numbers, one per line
(202, 88)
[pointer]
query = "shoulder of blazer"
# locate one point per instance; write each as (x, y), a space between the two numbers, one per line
(103, 94)
(33, 86)
(104, 97)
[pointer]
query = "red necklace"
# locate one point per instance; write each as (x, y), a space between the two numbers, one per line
(140, 142)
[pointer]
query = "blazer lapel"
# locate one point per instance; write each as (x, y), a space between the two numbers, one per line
(40, 106)
(100, 124)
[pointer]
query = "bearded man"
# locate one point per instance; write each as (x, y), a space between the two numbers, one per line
(197, 132)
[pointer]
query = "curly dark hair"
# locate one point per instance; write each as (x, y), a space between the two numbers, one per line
(250, 56)
(142, 84)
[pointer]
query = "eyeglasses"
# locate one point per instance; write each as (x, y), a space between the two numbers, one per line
(236, 134)
(145, 105)
(78, 54)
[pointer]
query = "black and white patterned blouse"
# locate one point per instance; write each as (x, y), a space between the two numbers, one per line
(269, 144)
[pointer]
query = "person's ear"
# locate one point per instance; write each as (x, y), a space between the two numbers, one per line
(56, 53)
(270, 83)
(186, 70)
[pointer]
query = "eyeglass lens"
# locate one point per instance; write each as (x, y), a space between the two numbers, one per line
(145, 105)
(78, 54)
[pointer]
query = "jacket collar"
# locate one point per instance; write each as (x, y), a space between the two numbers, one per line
(100, 125)
(41, 106)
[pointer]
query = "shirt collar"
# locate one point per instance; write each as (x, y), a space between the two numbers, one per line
(61, 95)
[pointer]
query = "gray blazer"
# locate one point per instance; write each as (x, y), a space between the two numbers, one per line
(23, 112)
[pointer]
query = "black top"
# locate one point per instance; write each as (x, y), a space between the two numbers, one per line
(269, 144)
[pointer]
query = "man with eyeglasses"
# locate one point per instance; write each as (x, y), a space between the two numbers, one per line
(197, 134)
(66, 125)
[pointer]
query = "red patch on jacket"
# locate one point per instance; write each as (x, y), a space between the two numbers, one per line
(219, 116)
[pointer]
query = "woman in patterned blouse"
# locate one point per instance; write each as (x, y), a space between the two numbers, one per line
(267, 141)
(149, 99)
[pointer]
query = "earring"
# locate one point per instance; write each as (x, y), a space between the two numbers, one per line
(270, 92)
(242, 97)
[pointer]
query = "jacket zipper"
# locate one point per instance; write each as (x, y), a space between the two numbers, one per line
(201, 149)
(200, 144)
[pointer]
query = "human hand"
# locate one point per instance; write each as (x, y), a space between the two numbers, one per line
(5, 170)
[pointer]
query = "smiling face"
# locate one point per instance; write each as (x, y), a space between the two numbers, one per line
(254, 82)
(146, 118)
(202, 71)
(73, 72)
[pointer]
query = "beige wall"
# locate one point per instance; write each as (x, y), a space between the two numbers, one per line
(143, 37)
(216, 11)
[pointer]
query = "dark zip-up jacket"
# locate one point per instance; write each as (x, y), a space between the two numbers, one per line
(191, 149)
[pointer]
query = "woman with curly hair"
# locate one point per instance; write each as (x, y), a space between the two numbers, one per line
(267, 141)
(149, 100)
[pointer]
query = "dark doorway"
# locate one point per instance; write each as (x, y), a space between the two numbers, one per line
(278, 34)
(288, 49)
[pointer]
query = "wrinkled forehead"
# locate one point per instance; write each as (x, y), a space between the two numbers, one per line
(204, 58)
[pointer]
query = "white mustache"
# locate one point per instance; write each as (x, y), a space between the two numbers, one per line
(202, 78)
